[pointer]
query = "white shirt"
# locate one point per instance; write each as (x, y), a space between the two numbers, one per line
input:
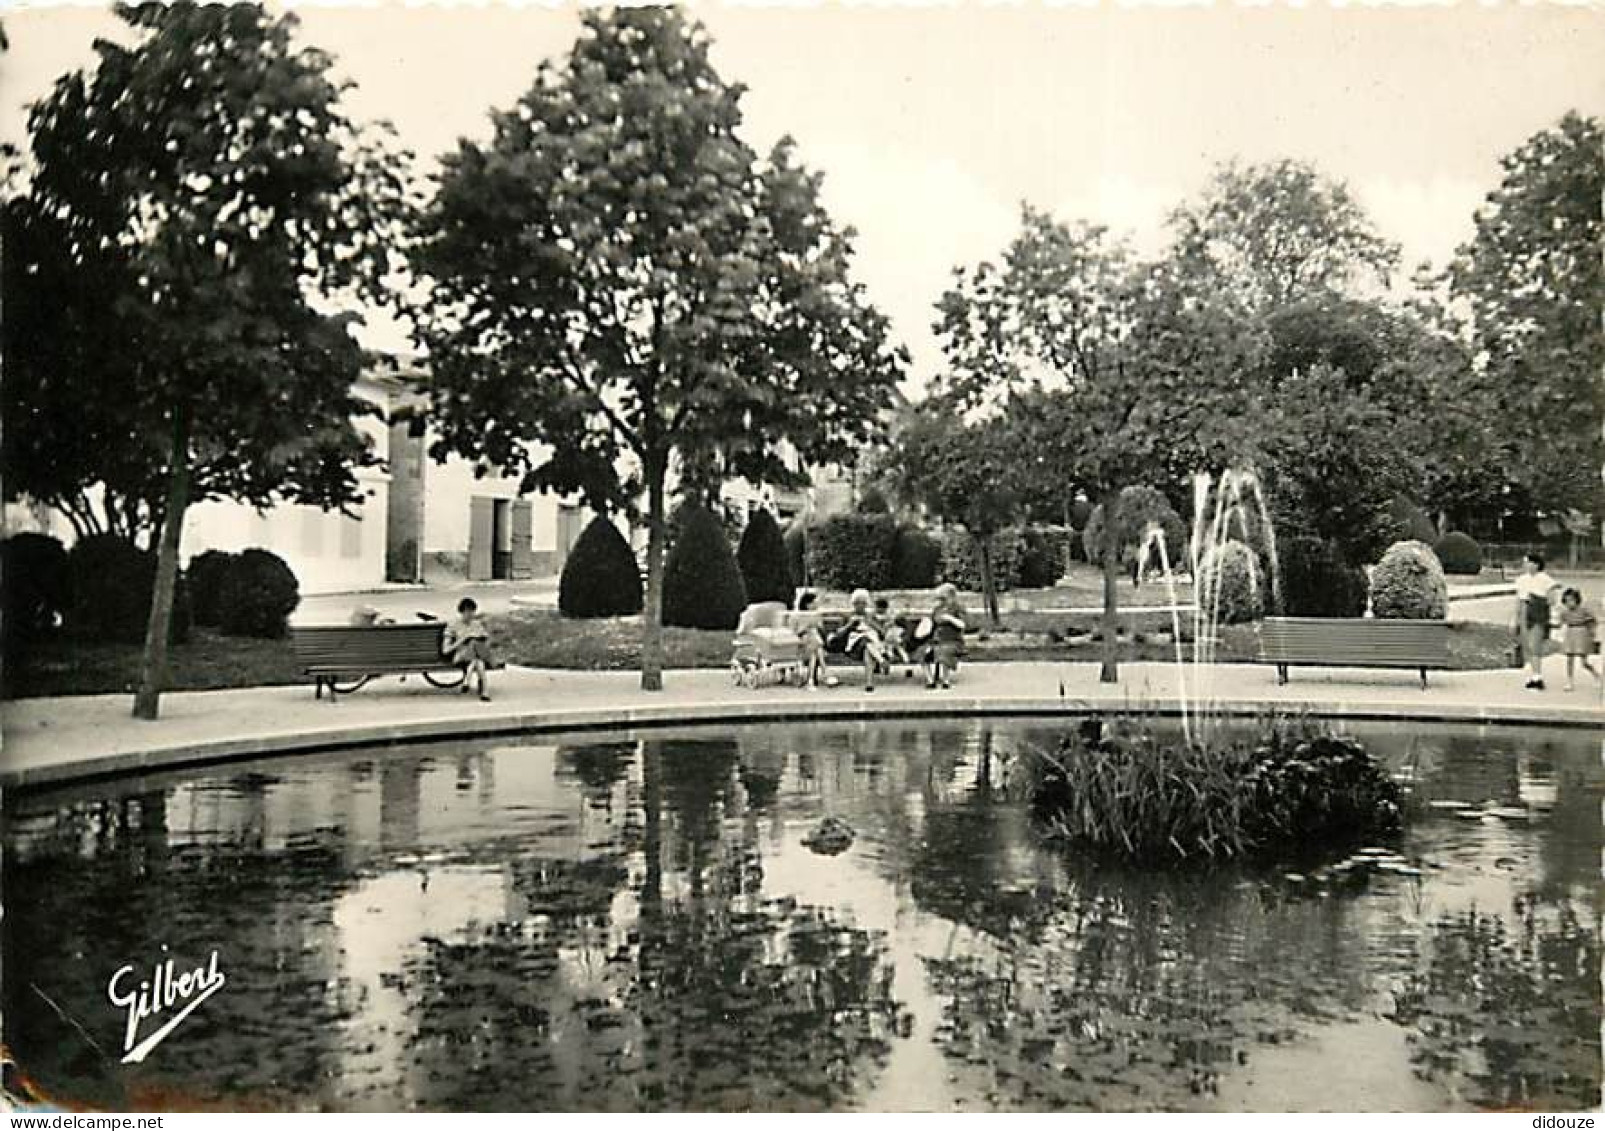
(1534, 585)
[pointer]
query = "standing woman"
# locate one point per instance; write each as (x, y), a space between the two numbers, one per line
(1534, 591)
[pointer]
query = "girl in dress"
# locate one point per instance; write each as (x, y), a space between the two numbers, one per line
(467, 642)
(1577, 627)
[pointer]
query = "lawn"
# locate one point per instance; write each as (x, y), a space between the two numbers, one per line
(546, 640)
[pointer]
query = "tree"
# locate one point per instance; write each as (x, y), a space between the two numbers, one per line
(618, 284)
(967, 472)
(194, 197)
(1114, 372)
(1274, 233)
(1533, 280)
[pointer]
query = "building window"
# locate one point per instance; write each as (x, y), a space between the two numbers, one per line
(350, 537)
(311, 531)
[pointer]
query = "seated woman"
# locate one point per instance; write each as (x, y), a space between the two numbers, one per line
(467, 643)
(807, 624)
(945, 636)
(863, 635)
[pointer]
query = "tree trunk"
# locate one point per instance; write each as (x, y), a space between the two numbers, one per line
(153, 669)
(1110, 553)
(652, 627)
(989, 585)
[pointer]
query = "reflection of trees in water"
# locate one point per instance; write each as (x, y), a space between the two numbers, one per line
(707, 996)
(116, 898)
(1513, 1012)
(1140, 990)
(598, 766)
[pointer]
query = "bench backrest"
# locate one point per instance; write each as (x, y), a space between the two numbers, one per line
(380, 645)
(1363, 639)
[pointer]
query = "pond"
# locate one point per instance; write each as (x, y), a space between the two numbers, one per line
(629, 922)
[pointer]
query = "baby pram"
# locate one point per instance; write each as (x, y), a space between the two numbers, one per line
(765, 651)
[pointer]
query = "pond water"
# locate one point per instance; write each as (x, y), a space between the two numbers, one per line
(634, 922)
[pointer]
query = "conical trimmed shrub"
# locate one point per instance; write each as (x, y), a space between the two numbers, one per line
(600, 577)
(762, 557)
(702, 586)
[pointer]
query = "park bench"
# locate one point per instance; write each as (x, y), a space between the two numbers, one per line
(344, 657)
(1354, 642)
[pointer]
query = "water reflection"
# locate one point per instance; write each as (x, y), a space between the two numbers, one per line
(619, 924)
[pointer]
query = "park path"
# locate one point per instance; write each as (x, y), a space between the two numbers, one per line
(56, 739)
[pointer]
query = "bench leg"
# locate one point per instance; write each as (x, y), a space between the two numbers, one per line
(1423, 679)
(1281, 673)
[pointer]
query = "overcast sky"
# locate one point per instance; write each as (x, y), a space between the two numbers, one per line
(932, 125)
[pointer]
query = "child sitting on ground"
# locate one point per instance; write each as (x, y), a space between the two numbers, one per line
(467, 643)
(1577, 640)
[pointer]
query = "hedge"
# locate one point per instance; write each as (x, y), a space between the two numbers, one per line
(762, 558)
(34, 587)
(961, 559)
(916, 558)
(1318, 582)
(1408, 584)
(260, 592)
(208, 575)
(852, 551)
(111, 581)
(600, 576)
(702, 586)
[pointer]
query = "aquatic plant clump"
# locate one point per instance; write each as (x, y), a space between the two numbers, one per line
(1131, 791)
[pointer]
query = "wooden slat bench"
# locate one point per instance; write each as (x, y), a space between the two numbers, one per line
(344, 657)
(1354, 642)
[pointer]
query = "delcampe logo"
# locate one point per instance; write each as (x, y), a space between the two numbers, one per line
(153, 998)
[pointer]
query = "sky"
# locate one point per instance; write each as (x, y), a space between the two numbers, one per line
(932, 125)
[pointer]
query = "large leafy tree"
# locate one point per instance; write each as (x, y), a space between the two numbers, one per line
(192, 207)
(966, 472)
(1275, 233)
(1532, 278)
(1113, 372)
(618, 286)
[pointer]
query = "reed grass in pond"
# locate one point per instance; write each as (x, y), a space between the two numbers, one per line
(1131, 787)
(635, 922)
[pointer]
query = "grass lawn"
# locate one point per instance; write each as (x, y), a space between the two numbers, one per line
(546, 640)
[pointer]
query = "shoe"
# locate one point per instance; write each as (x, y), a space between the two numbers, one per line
(1535, 685)
(484, 698)
(947, 685)
(869, 687)
(930, 685)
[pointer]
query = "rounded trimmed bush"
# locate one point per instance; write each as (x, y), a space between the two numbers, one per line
(852, 551)
(112, 582)
(702, 586)
(762, 557)
(1408, 584)
(1318, 582)
(208, 574)
(34, 584)
(1229, 578)
(259, 594)
(600, 577)
(1459, 554)
(916, 558)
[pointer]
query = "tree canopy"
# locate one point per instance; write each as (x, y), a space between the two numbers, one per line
(618, 283)
(1533, 280)
(192, 206)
